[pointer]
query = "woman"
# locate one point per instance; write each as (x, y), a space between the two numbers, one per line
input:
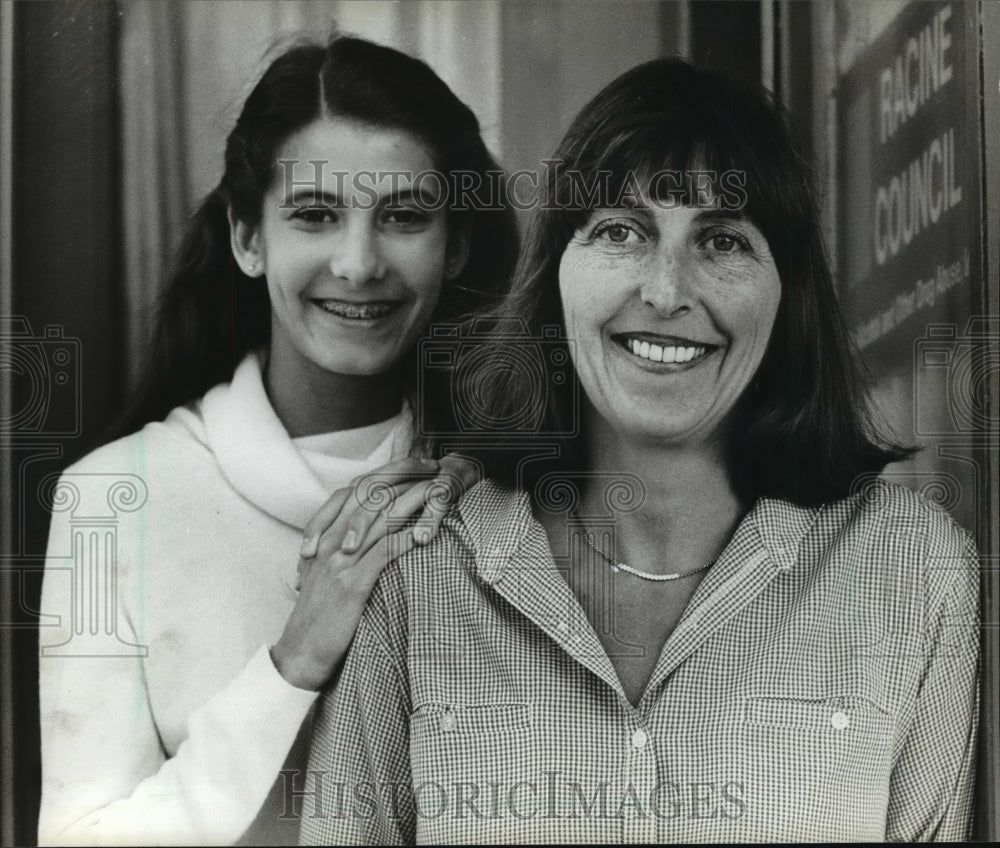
(693, 623)
(287, 353)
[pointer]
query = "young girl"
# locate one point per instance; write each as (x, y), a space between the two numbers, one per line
(206, 574)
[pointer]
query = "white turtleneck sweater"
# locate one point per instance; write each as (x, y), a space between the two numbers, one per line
(171, 561)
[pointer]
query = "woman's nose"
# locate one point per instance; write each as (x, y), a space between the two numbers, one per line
(357, 256)
(666, 284)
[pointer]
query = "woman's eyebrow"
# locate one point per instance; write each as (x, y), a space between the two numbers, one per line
(725, 216)
(628, 204)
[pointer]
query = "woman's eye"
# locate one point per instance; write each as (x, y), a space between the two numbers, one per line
(727, 242)
(616, 232)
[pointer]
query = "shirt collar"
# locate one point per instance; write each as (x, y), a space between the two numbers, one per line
(498, 519)
(781, 526)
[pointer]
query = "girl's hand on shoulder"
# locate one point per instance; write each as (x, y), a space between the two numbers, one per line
(348, 543)
(417, 490)
(334, 587)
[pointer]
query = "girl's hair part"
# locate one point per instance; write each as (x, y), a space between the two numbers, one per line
(211, 314)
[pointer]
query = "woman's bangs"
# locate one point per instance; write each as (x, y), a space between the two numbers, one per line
(669, 164)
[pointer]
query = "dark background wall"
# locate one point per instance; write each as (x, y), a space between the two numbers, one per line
(65, 352)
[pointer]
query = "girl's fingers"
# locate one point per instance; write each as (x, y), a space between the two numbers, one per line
(347, 519)
(443, 492)
(324, 517)
(370, 491)
(302, 569)
(367, 526)
(371, 494)
(466, 472)
(458, 475)
(403, 499)
(373, 498)
(391, 547)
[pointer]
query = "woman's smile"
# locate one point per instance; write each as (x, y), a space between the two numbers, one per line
(663, 354)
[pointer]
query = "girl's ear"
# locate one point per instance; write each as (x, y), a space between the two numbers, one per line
(457, 254)
(245, 243)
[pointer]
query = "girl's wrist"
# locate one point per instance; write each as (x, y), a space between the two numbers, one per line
(294, 670)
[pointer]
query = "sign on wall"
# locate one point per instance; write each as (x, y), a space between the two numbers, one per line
(910, 180)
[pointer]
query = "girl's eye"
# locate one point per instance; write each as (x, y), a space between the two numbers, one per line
(616, 232)
(405, 217)
(316, 214)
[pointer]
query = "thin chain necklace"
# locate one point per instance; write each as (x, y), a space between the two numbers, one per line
(622, 566)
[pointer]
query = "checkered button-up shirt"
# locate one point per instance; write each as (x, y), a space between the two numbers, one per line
(821, 685)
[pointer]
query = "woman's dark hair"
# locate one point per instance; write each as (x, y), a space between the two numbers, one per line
(212, 315)
(802, 430)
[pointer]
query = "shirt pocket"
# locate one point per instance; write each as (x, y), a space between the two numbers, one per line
(454, 719)
(464, 760)
(817, 769)
(842, 714)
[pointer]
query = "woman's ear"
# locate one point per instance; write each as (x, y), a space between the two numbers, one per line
(457, 254)
(245, 243)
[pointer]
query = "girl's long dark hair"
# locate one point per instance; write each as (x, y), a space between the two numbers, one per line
(211, 314)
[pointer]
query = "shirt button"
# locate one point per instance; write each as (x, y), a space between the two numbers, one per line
(639, 739)
(840, 721)
(448, 722)
(563, 627)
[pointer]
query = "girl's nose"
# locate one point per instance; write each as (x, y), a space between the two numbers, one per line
(357, 257)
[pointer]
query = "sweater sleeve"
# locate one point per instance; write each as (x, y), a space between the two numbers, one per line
(106, 777)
